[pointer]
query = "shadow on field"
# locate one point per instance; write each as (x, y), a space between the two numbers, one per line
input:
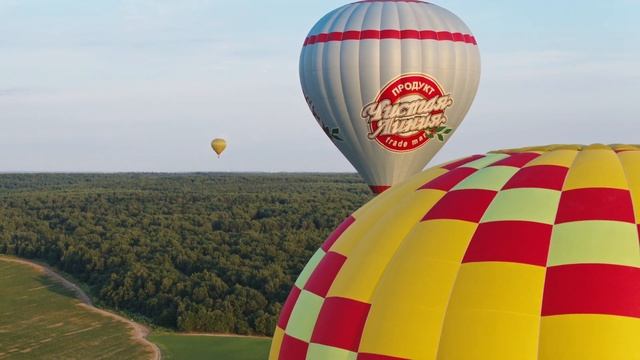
(56, 287)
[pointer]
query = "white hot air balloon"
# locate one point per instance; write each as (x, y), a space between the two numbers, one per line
(389, 82)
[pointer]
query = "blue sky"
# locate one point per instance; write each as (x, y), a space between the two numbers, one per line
(143, 85)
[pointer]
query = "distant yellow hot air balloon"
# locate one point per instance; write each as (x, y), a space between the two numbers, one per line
(218, 145)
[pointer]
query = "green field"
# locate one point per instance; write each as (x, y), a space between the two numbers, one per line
(39, 319)
(176, 346)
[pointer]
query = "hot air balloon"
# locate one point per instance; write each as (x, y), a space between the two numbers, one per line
(389, 82)
(520, 254)
(218, 145)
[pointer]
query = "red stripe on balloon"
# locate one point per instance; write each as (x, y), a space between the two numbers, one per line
(351, 35)
(428, 35)
(322, 38)
(458, 37)
(445, 35)
(379, 189)
(390, 34)
(369, 34)
(410, 34)
(335, 36)
(409, 1)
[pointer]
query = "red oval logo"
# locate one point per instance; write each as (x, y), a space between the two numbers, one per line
(408, 112)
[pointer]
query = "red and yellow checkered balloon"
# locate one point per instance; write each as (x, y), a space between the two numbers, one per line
(518, 254)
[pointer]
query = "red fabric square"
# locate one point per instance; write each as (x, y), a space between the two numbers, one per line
(468, 205)
(341, 323)
(293, 349)
(516, 160)
(592, 289)
(322, 277)
(539, 176)
(364, 356)
(287, 308)
(337, 232)
(521, 242)
(461, 162)
(449, 180)
(595, 204)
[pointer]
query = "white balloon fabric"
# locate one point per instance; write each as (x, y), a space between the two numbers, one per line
(389, 82)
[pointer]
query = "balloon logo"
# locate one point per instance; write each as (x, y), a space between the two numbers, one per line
(389, 82)
(407, 113)
(218, 145)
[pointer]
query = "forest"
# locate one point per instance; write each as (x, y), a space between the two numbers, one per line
(195, 252)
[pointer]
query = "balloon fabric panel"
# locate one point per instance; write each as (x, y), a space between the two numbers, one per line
(497, 256)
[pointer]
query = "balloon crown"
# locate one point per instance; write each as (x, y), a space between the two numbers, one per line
(576, 147)
(410, 1)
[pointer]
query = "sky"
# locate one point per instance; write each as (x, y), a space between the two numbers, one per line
(144, 85)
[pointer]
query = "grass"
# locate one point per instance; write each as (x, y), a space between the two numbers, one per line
(40, 319)
(195, 347)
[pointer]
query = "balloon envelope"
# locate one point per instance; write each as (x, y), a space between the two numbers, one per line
(218, 145)
(389, 82)
(520, 254)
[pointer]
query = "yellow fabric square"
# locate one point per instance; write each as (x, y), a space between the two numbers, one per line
(596, 168)
(440, 239)
(589, 337)
(631, 162)
(421, 273)
(369, 256)
(489, 335)
(500, 286)
(625, 147)
(371, 213)
(410, 329)
(380, 204)
(557, 157)
(276, 343)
